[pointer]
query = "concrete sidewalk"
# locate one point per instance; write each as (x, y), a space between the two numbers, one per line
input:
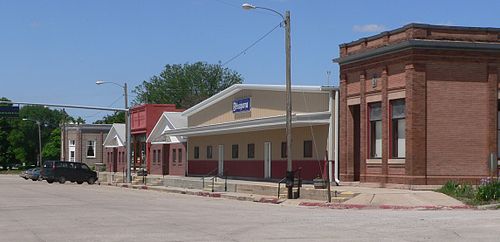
(354, 196)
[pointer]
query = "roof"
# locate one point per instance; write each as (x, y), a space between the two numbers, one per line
(267, 123)
(239, 87)
(420, 26)
(116, 136)
(167, 121)
(88, 127)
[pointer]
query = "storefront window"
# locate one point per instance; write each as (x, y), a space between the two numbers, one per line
(209, 152)
(375, 117)
(251, 151)
(398, 123)
(234, 151)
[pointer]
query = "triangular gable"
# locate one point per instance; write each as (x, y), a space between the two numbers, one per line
(116, 136)
(165, 123)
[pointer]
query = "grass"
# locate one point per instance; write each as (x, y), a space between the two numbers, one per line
(11, 172)
(486, 193)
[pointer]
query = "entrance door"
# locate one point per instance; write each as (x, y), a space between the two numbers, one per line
(221, 160)
(356, 134)
(267, 159)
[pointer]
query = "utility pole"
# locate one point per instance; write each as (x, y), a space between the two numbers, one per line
(289, 168)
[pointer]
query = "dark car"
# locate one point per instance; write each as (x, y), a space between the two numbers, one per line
(63, 171)
(34, 174)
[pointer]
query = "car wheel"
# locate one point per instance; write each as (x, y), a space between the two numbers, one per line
(79, 182)
(62, 180)
(91, 180)
(33, 179)
(50, 181)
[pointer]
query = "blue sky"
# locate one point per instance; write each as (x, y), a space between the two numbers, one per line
(54, 51)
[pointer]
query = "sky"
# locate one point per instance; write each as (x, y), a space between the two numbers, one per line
(53, 51)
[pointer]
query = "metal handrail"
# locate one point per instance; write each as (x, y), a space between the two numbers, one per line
(207, 175)
(223, 177)
(299, 179)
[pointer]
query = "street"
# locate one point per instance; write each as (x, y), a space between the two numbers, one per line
(38, 211)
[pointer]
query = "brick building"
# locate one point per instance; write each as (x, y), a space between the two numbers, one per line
(419, 105)
(168, 152)
(83, 143)
(143, 118)
(115, 149)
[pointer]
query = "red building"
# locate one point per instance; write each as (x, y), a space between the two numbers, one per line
(115, 150)
(143, 119)
(419, 105)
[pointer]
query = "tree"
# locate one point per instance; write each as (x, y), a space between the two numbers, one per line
(186, 85)
(52, 149)
(117, 117)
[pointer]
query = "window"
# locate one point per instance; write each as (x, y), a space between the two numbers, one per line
(72, 142)
(180, 155)
(283, 150)
(375, 117)
(196, 152)
(234, 151)
(209, 152)
(158, 156)
(72, 155)
(174, 155)
(308, 146)
(251, 151)
(154, 156)
(398, 123)
(91, 149)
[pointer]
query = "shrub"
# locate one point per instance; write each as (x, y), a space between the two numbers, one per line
(456, 189)
(488, 190)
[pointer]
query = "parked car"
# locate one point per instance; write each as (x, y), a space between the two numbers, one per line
(34, 174)
(63, 171)
(24, 174)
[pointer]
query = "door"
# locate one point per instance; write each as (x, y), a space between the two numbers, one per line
(221, 160)
(267, 160)
(356, 139)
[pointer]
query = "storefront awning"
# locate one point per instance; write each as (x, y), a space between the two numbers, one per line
(276, 122)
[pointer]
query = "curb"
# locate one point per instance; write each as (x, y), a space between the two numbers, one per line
(249, 198)
(489, 206)
(383, 206)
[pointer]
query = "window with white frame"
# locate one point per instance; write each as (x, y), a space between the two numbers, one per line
(375, 134)
(72, 143)
(398, 123)
(91, 149)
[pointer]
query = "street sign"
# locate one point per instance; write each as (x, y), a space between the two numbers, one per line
(9, 112)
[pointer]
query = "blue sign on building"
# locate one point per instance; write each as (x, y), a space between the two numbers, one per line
(241, 105)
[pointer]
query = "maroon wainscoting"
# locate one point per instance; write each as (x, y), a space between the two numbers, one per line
(201, 167)
(244, 168)
(310, 168)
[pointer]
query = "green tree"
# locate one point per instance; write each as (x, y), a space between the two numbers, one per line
(186, 85)
(117, 117)
(52, 149)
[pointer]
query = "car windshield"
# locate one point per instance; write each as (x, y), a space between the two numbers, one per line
(47, 165)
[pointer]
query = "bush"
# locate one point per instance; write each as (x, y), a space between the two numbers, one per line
(488, 190)
(456, 189)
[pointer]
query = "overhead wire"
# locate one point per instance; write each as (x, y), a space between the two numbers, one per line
(251, 45)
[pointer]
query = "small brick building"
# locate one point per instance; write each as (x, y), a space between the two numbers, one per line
(419, 105)
(83, 143)
(115, 149)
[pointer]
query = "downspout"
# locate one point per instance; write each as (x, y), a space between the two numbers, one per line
(336, 121)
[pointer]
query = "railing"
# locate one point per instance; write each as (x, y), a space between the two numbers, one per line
(213, 178)
(296, 182)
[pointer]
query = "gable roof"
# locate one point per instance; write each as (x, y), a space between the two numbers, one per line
(239, 87)
(167, 121)
(116, 136)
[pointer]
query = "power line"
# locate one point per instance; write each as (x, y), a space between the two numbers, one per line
(252, 45)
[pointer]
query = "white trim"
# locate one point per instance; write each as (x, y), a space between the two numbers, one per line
(396, 95)
(373, 161)
(396, 161)
(238, 87)
(275, 122)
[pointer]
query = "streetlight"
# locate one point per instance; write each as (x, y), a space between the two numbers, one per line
(127, 124)
(286, 23)
(39, 141)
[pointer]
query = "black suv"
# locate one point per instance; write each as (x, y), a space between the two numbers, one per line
(63, 171)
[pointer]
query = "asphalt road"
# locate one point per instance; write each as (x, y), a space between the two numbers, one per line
(38, 211)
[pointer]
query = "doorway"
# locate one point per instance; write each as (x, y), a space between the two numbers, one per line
(267, 159)
(221, 161)
(356, 139)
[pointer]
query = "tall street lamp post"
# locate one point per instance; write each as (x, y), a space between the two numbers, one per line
(127, 124)
(286, 23)
(40, 164)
